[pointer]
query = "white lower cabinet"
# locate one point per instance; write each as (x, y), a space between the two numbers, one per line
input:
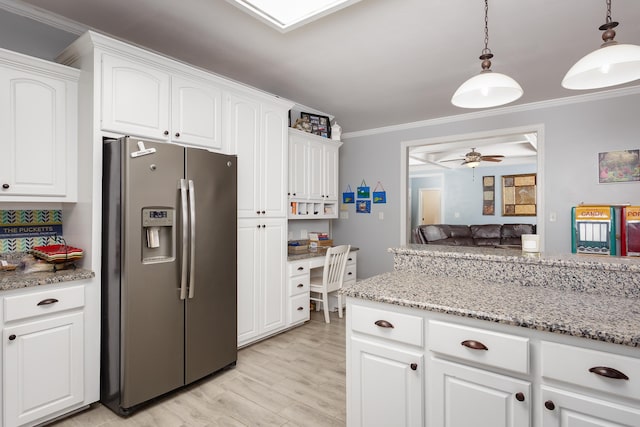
(479, 373)
(43, 354)
(386, 385)
(262, 296)
(462, 396)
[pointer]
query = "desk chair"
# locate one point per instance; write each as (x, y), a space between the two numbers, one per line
(331, 280)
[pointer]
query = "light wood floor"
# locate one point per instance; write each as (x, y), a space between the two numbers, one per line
(296, 378)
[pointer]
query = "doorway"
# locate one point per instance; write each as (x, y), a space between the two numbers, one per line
(430, 206)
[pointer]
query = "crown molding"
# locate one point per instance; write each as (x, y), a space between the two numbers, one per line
(589, 97)
(43, 16)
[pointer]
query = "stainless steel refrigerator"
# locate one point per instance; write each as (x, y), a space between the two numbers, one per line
(168, 269)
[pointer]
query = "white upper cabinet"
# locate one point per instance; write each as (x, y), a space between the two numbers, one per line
(146, 101)
(38, 108)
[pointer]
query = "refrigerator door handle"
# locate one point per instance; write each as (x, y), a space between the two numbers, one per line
(185, 238)
(192, 251)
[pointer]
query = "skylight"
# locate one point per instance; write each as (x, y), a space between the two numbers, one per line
(286, 15)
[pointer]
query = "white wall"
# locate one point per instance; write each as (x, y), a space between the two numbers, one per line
(574, 134)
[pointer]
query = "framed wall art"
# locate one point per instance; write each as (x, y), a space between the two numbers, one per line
(488, 195)
(519, 195)
(320, 125)
(619, 166)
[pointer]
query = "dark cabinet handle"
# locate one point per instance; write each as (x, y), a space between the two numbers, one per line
(263, 212)
(383, 324)
(474, 345)
(177, 134)
(294, 194)
(166, 132)
(550, 405)
(413, 366)
(300, 308)
(300, 285)
(520, 397)
(349, 273)
(608, 372)
(349, 259)
(5, 186)
(258, 212)
(12, 337)
(48, 301)
(300, 268)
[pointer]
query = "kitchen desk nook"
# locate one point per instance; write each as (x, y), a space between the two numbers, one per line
(490, 337)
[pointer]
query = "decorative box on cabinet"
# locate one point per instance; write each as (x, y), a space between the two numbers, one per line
(144, 99)
(43, 354)
(38, 116)
(313, 176)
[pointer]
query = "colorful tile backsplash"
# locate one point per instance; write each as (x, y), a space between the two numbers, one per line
(20, 230)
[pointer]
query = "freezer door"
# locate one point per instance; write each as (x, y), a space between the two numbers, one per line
(211, 331)
(152, 313)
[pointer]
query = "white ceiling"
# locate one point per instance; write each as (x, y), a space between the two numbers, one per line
(377, 62)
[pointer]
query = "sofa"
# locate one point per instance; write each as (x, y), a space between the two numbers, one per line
(472, 235)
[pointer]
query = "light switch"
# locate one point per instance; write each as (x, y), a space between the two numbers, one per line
(553, 217)
(381, 215)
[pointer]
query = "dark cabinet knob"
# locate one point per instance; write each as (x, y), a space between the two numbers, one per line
(264, 226)
(177, 134)
(294, 194)
(5, 186)
(263, 212)
(300, 268)
(300, 308)
(520, 397)
(12, 337)
(413, 366)
(258, 212)
(474, 345)
(166, 132)
(550, 405)
(258, 225)
(383, 324)
(300, 285)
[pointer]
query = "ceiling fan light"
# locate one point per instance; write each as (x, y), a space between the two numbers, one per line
(610, 65)
(473, 164)
(487, 89)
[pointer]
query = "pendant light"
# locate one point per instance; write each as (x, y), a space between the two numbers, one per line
(487, 89)
(612, 64)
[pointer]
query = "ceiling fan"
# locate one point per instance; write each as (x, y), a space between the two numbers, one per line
(473, 158)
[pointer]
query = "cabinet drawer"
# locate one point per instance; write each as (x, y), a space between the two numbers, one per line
(299, 285)
(299, 308)
(353, 257)
(296, 268)
(42, 302)
(572, 365)
(388, 324)
(492, 348)
(350, 272)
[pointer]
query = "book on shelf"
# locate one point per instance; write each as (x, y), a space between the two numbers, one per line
(318, 235)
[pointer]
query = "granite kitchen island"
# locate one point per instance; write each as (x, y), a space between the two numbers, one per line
(495, 336)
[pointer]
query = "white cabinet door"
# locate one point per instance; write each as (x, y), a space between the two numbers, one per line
(135, 98)
(196, 113)
(244, 136)
(331, 172)
(565, 409)
(316, 171)
(273, 158)
(461, 396)
(262, 283)
(386, 386)
(43, 368)
(37, 151)
(298, 168)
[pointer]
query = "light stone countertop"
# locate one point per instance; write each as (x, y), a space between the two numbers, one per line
(312, 254)
(19, 279)
(594, 316)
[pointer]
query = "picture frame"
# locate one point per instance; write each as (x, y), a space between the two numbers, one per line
(619, 166)
(320, 125)
(519, 195)
(488, 195)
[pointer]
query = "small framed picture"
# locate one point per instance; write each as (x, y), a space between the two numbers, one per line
(320, 125)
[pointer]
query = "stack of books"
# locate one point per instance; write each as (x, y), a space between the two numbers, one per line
(318, 238)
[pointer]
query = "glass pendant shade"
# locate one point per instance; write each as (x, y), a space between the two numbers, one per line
(472, 164)
(611, 65)
(487, 89)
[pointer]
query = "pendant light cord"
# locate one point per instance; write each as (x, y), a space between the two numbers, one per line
(486, 49)
(608, 11)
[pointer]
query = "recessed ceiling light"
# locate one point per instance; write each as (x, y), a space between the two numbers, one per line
(286, 15)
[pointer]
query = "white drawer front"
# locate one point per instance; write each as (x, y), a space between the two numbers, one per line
(299, 309)
(39, 303)
(388, 324)
(353, 258)
(297, 268)
(573, 364)
(299, 285)
(502, 351)
(350, 272)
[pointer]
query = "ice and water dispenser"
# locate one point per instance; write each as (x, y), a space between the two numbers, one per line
(158, 235)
